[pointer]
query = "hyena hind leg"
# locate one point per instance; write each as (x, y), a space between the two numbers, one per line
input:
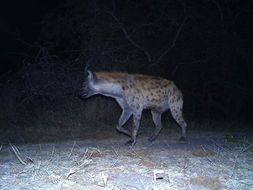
(178, 116)
(156, 116)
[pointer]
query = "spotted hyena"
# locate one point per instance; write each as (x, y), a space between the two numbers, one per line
(135, 92)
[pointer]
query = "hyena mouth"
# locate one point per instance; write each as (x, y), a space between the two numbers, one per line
(82, 95)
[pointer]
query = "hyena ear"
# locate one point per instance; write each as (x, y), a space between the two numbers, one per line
(91, 75)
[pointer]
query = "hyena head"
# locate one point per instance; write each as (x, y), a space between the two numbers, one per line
(101, 83)
(88, 87)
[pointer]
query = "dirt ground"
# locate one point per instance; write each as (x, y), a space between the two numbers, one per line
(206, 161)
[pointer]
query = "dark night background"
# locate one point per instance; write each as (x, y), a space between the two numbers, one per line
(205, 46)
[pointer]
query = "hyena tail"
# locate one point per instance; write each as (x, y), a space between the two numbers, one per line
(176, 108)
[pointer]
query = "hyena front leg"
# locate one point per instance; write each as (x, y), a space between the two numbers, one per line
(156, 116)
(125, 115)
(136, 126)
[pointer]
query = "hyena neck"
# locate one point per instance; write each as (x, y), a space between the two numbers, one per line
(110, 89)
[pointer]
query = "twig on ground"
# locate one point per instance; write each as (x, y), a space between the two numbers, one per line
(77, 168)
(114, 151)
(236, 158)
(234, 165)
(218, 145)
(71, 172)
(29, 160)
(133, 152)
(40, 147)
(207, 154)
(90, 151)
(65, 183)
(246, 148)
(98, 150)
(52, 153)
(73, 146)
(18, 154)
(78, 146)
(85, 154)
(186, 165)
(37, 169)
(147, 186)
(105, 178)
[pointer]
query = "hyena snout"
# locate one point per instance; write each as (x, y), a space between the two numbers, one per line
(80, 96)
(86, 93)
(83, 94)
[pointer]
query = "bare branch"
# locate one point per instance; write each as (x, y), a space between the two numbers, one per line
(128, 37)
(113, 6)
(178, 65)
(172, 44)
(151, 23)
(219, 9)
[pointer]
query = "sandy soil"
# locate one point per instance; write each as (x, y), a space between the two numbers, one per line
(206, 161)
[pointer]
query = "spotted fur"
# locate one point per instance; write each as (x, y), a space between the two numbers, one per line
(134, 93)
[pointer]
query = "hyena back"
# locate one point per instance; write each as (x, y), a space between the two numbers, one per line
(135, 92)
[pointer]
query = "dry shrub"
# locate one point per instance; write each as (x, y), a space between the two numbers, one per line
(40, 102)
